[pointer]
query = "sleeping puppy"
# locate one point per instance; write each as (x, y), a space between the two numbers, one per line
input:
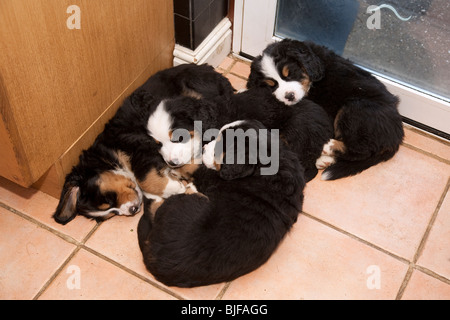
(111, 174)
(367, 125)
(305, 126)
(124, 162)
(235, 222)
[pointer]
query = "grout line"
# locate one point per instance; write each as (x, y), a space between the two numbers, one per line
(132, 272)
(431, 223)
(426, 134)
(227, 70)
(56, 273)
(413, 265)
(80, 245)
(393, 255)
(431, 273)
(222, 292)
(426, 153)
(57, 233)
(90, 233)
(238, 76)
(405, 282)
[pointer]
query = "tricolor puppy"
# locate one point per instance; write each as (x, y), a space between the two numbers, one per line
(121, 165)
(305, 127)
(178, 126)
(367, 125)
(235, 222)
(124, 162)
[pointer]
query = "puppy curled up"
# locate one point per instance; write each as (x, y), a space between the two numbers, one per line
(235, 221)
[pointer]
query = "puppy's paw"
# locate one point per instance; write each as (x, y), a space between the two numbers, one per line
(328, 148)
(191, 189)
(173, 187)
(333, 146)
(324, 162)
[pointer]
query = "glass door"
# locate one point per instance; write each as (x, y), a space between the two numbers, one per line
(406, 43)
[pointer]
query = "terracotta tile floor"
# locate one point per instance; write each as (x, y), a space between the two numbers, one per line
(383, 234)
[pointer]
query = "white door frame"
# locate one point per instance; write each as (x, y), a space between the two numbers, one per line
(254, 24)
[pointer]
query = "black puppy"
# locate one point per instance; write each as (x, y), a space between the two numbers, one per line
(367, 125)
(233, 226)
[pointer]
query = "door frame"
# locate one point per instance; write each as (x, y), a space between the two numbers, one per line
(254, 25)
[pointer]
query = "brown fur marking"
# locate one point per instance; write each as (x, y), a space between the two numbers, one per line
(122, 186)
(285, 71)
(154, 183)
(337, 132)
(186, 172)
(306, 83)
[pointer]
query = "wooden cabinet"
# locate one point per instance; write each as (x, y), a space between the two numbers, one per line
(64, 73)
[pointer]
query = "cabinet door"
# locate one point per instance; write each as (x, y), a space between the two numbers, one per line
(57, 77)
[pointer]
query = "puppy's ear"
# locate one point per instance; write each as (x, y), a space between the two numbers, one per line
(66, 210)
(256, 77)
(312, 64)
(236, 171)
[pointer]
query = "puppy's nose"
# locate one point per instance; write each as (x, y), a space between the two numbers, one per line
(173, 163)
(290, 96)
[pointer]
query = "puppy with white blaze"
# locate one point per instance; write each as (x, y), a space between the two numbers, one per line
(367, 125)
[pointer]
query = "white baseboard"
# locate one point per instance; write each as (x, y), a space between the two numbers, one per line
(212, 50)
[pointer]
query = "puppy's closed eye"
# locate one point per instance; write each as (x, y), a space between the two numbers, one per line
(104, 206)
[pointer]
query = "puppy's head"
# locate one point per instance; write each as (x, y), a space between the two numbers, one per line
(235, 151)
(288, 68)
(98, 189)
(172, 127)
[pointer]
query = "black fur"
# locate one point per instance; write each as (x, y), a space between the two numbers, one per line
(230, 230)
(364, 112)
(186, 79)
(305, 127)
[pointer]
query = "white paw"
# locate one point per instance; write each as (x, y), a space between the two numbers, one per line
(324, 162)
(192, 187)
(328, 148)
(173, 187)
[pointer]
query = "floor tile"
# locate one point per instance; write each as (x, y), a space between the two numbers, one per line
(87, 276)
(420, 140)
(424, 287)
(117, 239)
(236, 82)
(29, 255)
(241, 69)
(41, 207)
(317, 262)
(436, 253)
(389, 205)
(226, 63)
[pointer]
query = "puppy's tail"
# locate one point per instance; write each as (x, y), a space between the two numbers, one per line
(344, 168)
